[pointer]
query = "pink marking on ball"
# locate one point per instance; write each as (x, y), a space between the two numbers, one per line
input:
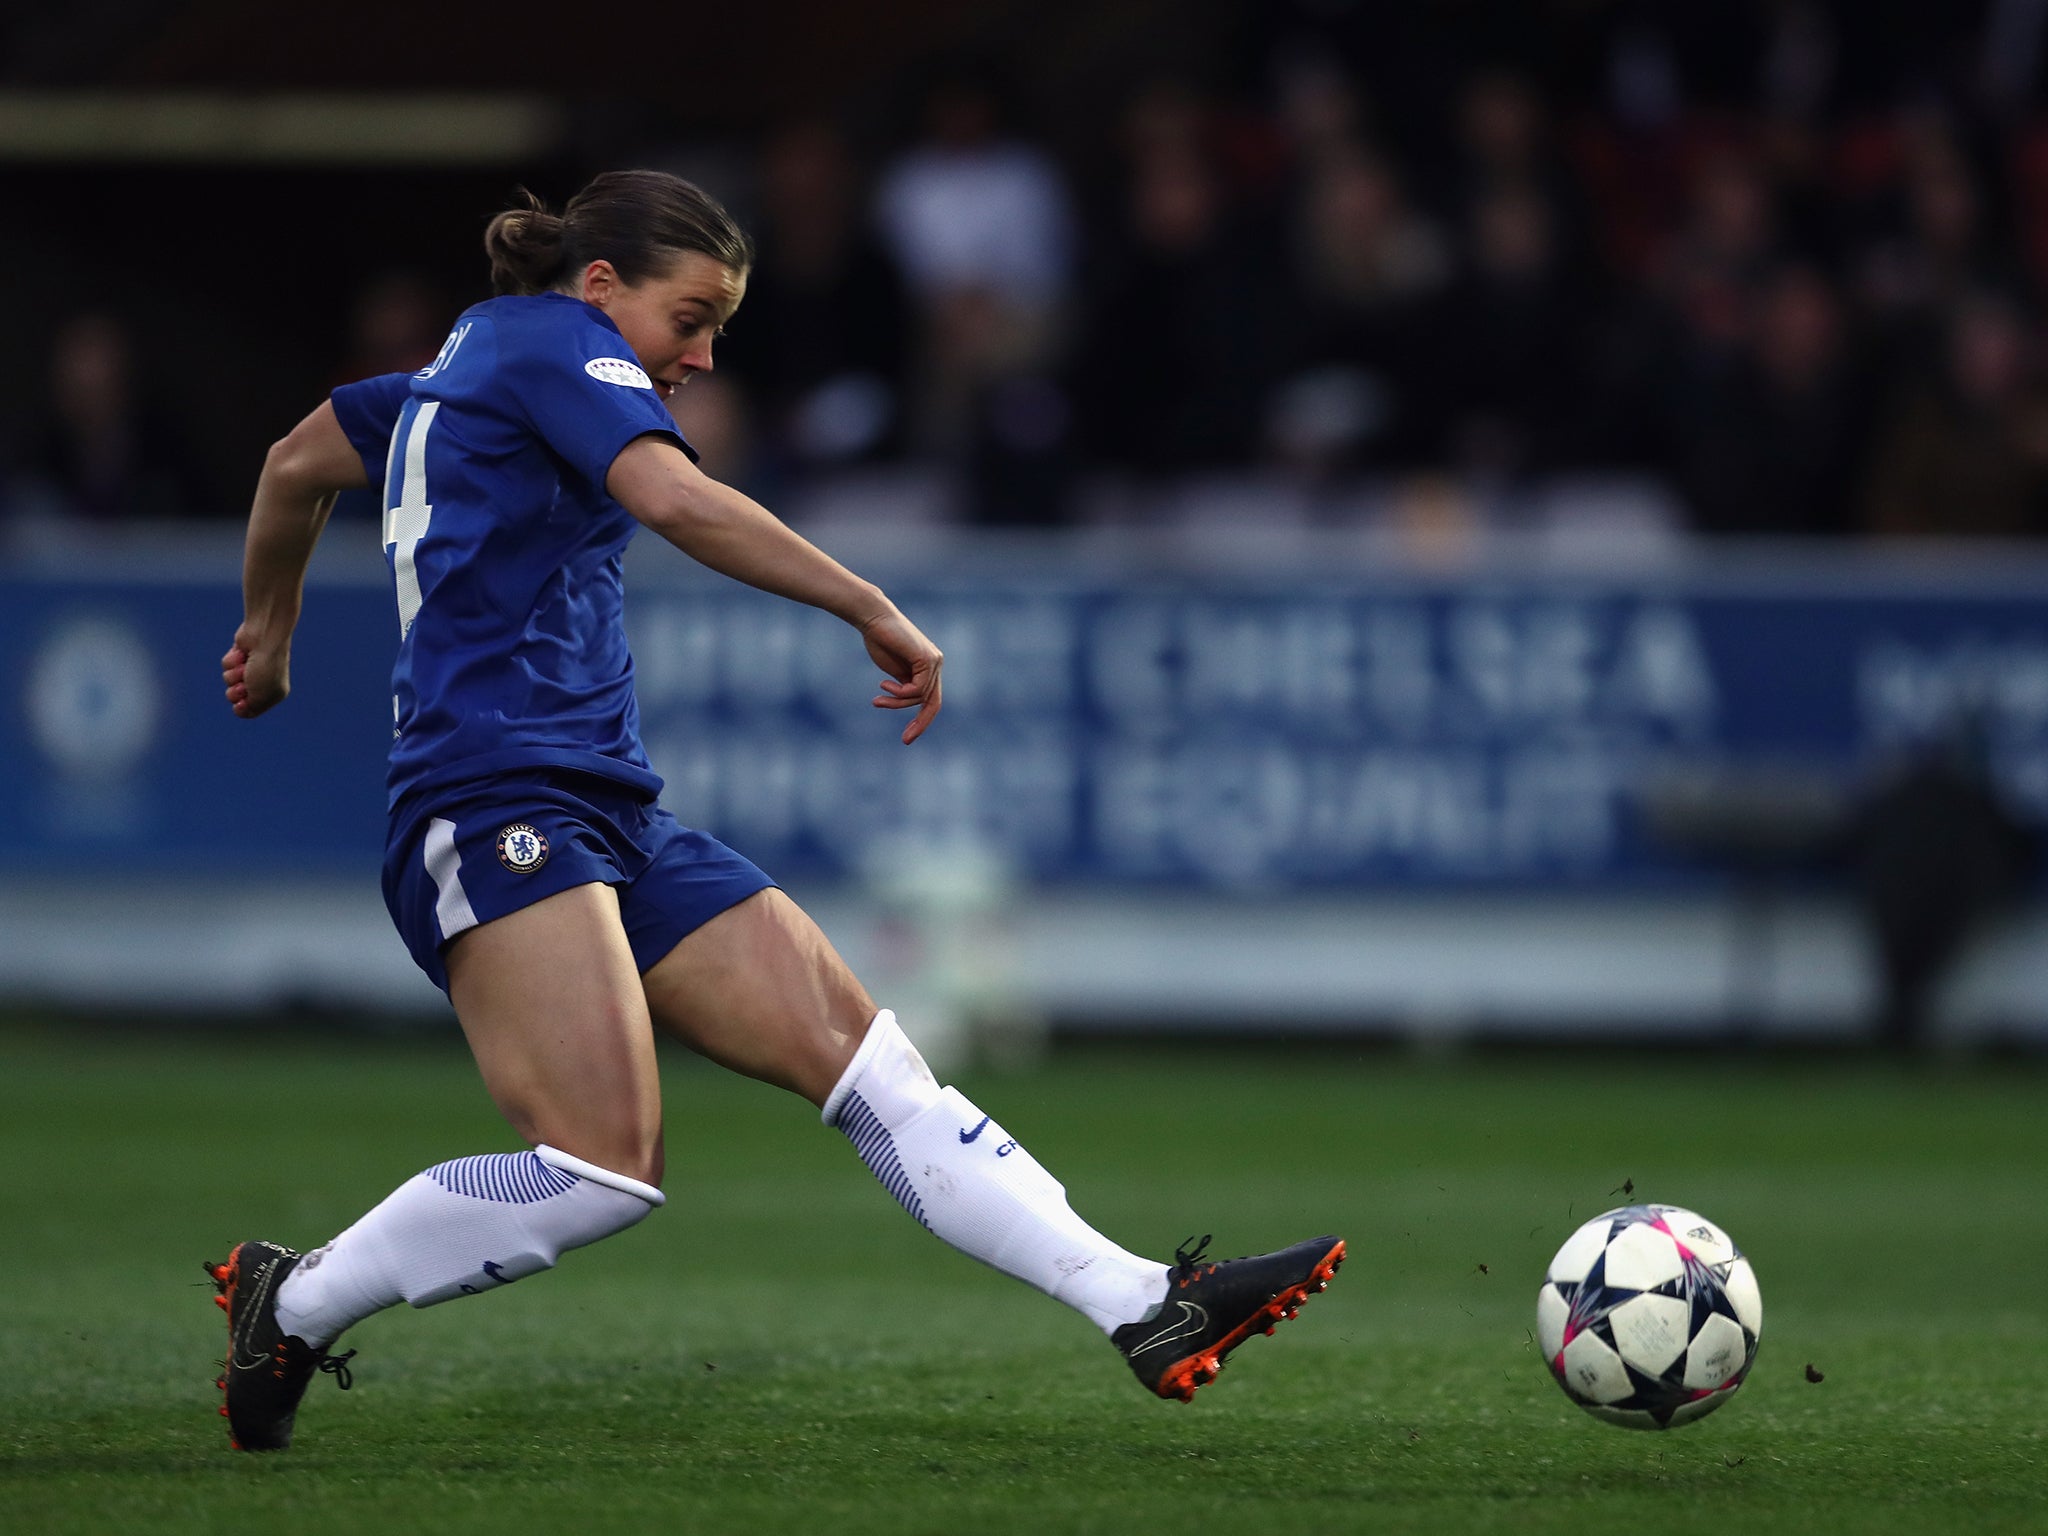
(1677, 1242)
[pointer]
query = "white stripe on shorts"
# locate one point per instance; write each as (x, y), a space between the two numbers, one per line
(452, 911)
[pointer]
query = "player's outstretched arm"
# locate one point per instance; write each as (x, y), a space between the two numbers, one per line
(301, 475)
(735, 535)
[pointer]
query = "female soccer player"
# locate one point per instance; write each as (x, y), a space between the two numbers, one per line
(531, 872)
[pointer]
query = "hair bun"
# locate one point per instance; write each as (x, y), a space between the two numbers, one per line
(525, 246)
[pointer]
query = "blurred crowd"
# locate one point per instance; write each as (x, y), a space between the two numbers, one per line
(1785, 269)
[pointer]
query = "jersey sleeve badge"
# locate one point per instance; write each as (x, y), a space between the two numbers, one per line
(616, 370)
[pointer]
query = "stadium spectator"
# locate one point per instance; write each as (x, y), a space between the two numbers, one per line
(1725, 246)
(1366, 266)
(1774, 439)
(1509, 368)
(979, 221)
(1504, 142)
(1681, 353)
(1321, 111)
(101, 450)
(972, 206)
(1933, 245)
(822, 347)
(1177, 348)
(1966, 452)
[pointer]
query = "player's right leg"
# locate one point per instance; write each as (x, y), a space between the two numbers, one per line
(552, 1006)
(543, 981)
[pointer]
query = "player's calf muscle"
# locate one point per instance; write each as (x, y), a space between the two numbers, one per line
(759, 989)
(555, 1017)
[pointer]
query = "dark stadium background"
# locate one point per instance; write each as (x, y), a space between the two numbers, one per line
(1606, 346)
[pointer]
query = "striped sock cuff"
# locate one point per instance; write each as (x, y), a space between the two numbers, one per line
(555, 1157)
(511, 1178)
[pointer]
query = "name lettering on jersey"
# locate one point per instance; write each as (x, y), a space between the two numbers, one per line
(446, 355)
(616, 370)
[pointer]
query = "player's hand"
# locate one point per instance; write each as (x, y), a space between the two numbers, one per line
(912, 663)
(256, 674)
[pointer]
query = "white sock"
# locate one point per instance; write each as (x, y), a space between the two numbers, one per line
(458, 1229)
(972, 1185)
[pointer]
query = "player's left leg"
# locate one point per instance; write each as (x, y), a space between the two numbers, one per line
(759, 989)
(969, 1181)
(735, 970)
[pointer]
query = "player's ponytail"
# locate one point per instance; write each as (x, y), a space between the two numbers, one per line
(639, 221)
(525, 245)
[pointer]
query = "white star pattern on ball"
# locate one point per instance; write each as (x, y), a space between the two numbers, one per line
(1649, 1316)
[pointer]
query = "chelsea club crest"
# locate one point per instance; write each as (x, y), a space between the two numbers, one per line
(522, 849)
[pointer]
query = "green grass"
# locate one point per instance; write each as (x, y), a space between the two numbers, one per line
(781, 1349)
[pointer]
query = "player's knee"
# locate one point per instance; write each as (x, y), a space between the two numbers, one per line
(651, 1164)
(628, 1142)
(885, 1069)
(832, 1046)
(892, 1051)
(631, 1153)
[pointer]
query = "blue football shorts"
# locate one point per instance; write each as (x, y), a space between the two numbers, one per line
(464, 855)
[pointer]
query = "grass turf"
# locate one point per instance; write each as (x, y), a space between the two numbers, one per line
(780, 1347)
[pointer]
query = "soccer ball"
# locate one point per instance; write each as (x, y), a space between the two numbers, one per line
(1649, 1317)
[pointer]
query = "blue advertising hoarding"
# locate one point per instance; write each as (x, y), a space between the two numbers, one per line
(1229, 733)
(120, 755)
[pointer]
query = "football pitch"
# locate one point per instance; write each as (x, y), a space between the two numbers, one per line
(782, 1349)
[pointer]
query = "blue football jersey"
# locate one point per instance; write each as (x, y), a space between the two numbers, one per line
(503, 546)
